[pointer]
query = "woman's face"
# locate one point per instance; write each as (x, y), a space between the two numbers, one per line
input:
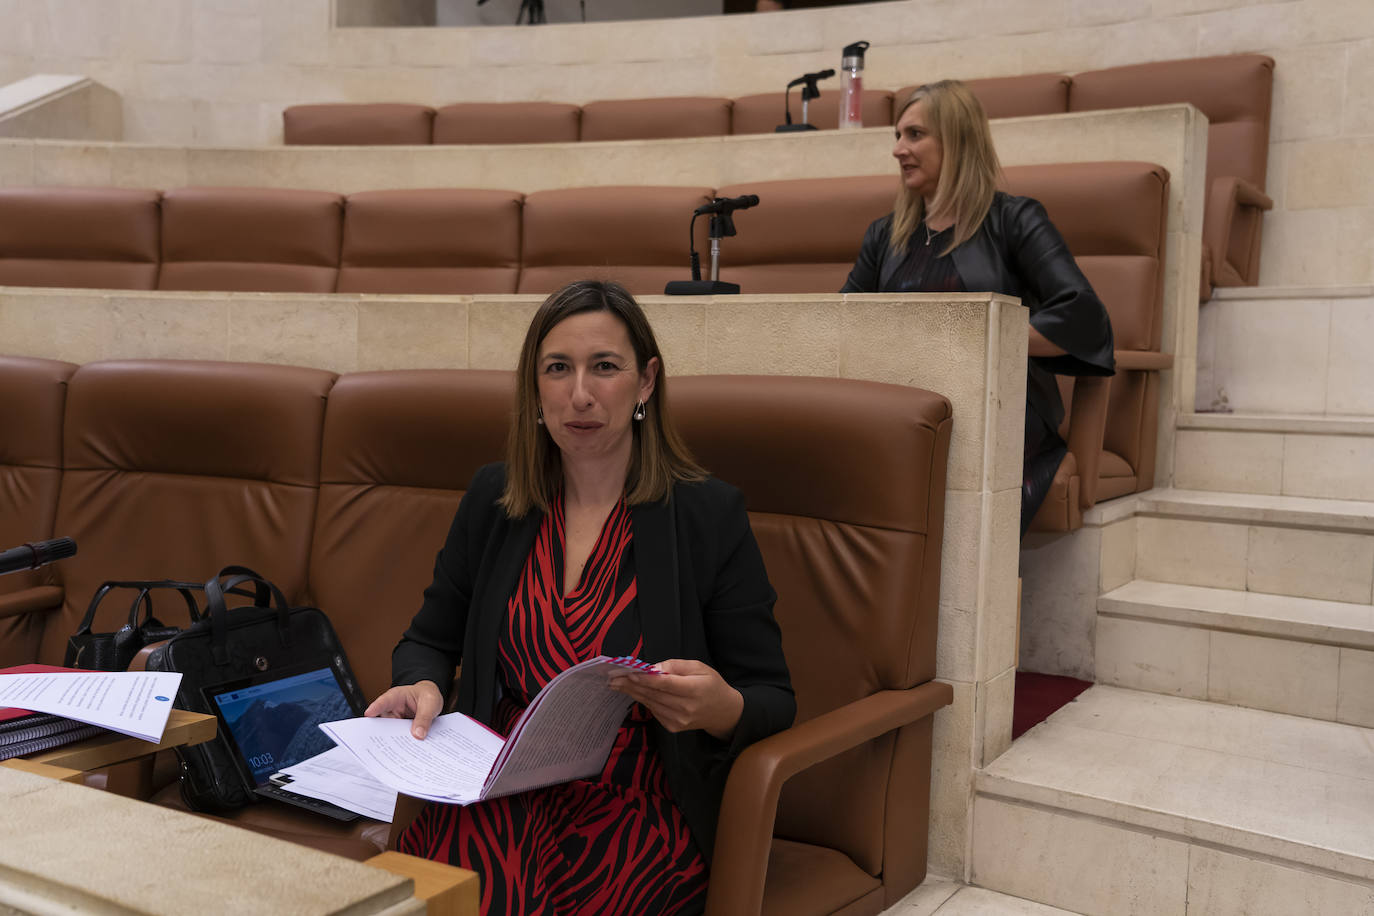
(918, 151)
(589, 384)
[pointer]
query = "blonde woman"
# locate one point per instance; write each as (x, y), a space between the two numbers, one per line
(951, 230)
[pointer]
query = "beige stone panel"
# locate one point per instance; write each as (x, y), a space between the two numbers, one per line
(925, 900)
(1167, 420)
(1331, 173)
(1327, 247)
(647, 40)
(1008, 398)
(1308, 87)
(995, 701)
(168, 326)
(372, 50)
(164, 121)
(1355, 692)
(977, 901)
(226, 123)
(1247, 28)
(58, 163)
(1147, 655)
(496, 331)
(680, 328)
(1090, 12)
(445, 47)
(1266, 351)
(879, 340)
(1091, 48)
(1118, 554)
(745, 75)
(1310, 564)
(1223, 884)
(967, 58)
(819, 154)
(1280, 675)
(227, 34)
(1237, 462)
(297, 32)
(961, 566)
(1335, 21)
(1359, 75)
(754, 335)
(1350, 371)
(1206, 395)
(16, 163)
(1164, 8)
(957, 645)
(790, 34)
(951, 781)
(633, 79)
(1191, 553)
(412, 333)
(1276, 175)
(81, 28)
(1059, 589)
(74, 326)
(1337, 467)
(1080, 864)
(998, 613)
(536, 83)
(294, 331)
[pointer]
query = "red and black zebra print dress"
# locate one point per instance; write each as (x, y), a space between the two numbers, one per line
(615, 844)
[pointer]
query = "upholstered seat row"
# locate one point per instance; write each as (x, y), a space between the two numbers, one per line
(342, 488)
(802, 238)
(1234, 92)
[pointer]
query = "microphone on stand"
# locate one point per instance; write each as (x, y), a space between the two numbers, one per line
(728, 205)
(722, 225)
(39, 553)
(809, 92)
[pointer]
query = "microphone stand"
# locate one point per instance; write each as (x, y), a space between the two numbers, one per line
(809, 92)
(722, 226)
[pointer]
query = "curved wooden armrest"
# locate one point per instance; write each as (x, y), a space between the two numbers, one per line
(749, 808)
(39, 598)
(1087, 432)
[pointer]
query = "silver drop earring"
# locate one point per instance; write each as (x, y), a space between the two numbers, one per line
(539, 419)
(639, 411)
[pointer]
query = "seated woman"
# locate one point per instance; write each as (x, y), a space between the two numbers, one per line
(951, 230)
(599, 535)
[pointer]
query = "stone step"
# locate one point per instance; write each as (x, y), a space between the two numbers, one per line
(1282, 545)
(1287, 349)
(1276, 454)
(1291, 655)
(1131, 802)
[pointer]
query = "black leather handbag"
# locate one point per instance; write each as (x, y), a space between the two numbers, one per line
(114, 651)
(230, 644)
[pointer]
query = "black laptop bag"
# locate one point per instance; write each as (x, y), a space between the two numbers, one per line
(229, 644)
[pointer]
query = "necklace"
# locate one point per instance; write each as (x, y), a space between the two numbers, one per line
(930, 235)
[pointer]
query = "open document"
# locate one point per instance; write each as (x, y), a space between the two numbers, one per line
(566, 733)
(336, 777)
(135, 703)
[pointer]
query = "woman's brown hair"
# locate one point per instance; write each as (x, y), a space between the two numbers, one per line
(534, 467)
(969, 173)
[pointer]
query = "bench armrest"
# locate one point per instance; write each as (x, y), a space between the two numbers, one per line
(1231, 229)
(39, 598)
(745, 831)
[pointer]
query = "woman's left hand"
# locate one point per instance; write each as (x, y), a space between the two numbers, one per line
(686, 694)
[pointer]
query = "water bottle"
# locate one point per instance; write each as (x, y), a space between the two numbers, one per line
(852, 85)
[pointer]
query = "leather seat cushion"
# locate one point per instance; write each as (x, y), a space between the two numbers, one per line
(806, 879)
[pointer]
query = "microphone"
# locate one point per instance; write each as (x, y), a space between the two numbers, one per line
(32, 556)
(811, 78)
(725, 205)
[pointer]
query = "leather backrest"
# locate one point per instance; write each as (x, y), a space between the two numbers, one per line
(80, 237)
(636, 236)
(845, 485)
(1113, 215)
(444, 240)
(1011, 96)
(176, 469)
(33, 394)
(654, 119)
(761, 113)
(1235, 92)
(399, 450)
(251, 239)
(348, 124)
(508, 122)
(804, 235)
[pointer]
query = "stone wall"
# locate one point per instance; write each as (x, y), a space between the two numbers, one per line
(220, 72)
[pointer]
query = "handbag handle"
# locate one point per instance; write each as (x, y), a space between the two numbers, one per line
(265, 594)
(145, 597)
(144, 586)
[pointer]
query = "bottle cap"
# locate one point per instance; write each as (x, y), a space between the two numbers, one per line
(853, 56)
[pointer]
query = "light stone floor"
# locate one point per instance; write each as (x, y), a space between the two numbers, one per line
(943, 897)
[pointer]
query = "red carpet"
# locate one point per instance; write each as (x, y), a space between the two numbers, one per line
(1038, 696)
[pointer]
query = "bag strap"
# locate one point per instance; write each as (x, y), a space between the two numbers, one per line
(145, 597)
(144, 585)
(266, 594)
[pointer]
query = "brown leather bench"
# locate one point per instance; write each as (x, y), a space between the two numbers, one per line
(321, 481)
(508, 122)
(656, 119)
(442, 240)
(348, 124)
(80, 237)
(251, 239)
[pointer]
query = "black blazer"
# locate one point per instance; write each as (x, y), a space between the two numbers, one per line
(1018, 252)
(703, 594)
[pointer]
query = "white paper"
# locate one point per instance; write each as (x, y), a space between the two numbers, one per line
(135, 703)
(565, 734)
(449, 765)
(336, 777)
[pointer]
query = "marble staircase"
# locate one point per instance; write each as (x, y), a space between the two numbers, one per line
(1224, 762)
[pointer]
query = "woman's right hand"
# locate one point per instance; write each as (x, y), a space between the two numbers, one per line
(421, 702)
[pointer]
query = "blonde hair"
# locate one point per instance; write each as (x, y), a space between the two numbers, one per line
(969, 170)
(534, 465)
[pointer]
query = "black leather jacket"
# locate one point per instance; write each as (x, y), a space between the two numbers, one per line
(1018, 252)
